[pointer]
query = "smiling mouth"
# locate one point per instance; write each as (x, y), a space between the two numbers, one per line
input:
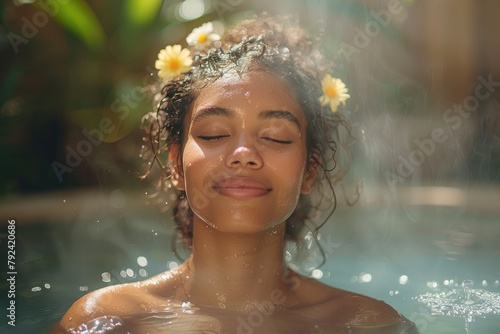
(241, 188)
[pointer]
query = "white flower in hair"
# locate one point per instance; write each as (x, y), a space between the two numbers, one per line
(334, 92)
(202, 36)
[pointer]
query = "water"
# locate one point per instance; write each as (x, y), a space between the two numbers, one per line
(464, 302)
(193, 320)
(415, 259)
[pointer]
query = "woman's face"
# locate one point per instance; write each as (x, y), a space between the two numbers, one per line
(244, 155)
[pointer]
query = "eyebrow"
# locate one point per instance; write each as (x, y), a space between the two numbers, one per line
(280, 114)
(211, 111)
(266, 114)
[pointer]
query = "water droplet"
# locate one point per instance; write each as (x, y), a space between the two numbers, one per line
(365, 277)
(317, 273)
(432, 284)
(142, 261)
(106, 277)
(172, 265)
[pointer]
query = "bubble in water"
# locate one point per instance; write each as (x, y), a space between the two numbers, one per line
(84, 288)
(143, 272)
(47, 286)
(36, 289)
(403, 279)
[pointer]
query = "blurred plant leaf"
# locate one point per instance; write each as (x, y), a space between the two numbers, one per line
(77, 16)
(104, 124)
(142, 12)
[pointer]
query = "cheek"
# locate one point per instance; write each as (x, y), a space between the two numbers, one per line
(289, 169)
(197, 167)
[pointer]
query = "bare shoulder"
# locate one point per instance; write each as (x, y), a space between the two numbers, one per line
(343, 307)
(119, 300)
(114, 300)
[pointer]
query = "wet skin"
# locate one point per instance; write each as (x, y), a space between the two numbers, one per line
(243, 165)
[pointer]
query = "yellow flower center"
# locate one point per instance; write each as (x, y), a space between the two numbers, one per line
(202, 38)
(174, 64)
(331, 91)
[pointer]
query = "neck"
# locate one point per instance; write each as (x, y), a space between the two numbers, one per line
(234, 271)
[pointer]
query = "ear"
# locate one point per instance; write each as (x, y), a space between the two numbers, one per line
(310, 175)
(175, 165)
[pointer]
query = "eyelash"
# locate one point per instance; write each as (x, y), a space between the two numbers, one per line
(283, 142)
(210, 138)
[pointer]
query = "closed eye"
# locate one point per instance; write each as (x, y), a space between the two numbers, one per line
(209, 138)
(284, 142)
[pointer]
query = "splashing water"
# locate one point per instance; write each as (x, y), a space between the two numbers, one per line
(463, 302)
(99, 325)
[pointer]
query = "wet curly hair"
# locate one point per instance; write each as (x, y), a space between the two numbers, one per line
(276, 45)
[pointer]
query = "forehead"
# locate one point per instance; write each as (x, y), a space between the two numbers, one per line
(252, 90)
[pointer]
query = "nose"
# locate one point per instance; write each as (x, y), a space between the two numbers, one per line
(244, 156)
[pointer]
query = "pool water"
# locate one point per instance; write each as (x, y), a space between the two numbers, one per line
(397, 254)
(186, 318)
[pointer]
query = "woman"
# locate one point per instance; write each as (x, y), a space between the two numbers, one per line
(251, 131)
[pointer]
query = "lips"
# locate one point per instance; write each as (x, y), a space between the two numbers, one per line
(241, 187)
